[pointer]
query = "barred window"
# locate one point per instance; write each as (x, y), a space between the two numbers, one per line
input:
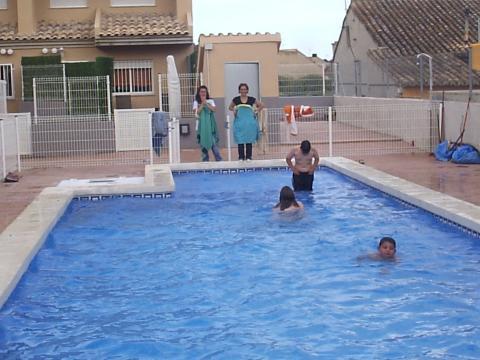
(6, 73)
(133, 77)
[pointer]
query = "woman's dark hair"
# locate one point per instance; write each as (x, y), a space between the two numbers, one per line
(197, 95)
(287, 198)
(387, 239)
(241, 85)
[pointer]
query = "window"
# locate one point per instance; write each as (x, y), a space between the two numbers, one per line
(6, 73)
(3, 4)
(132, 2)
(133, 77)
(68, 3)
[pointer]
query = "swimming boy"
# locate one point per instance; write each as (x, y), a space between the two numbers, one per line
(306, 161)
(387, 247)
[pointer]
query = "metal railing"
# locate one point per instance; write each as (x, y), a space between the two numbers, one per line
(353, 131)
(343, 130)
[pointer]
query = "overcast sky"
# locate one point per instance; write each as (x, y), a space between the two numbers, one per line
(308, 25)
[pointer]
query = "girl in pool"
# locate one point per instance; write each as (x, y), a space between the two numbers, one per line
(207, 135)
(246, 130)
(287, 201)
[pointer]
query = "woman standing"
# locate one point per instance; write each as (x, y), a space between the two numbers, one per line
(207, 135)
(245, 126)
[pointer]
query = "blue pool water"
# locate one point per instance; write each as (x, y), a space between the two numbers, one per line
(211, 273)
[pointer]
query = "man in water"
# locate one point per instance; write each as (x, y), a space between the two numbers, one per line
(306, 161)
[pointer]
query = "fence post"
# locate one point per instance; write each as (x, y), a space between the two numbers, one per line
(34, 86)
(229, 141)
(330, 134)
(150, 136)
(64, 85)
(160, 101)
(2, 143)
(440, 122)
(177, 141)
(19, 165)
(170, 142)
(323, 78)
(109, 101)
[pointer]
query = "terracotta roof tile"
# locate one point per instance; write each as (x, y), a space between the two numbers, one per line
(141, 25)
(77, 30)
(408, 27)
(449, 69)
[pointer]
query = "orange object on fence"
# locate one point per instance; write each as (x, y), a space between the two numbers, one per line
(298, 112)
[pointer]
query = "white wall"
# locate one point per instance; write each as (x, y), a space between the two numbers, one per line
(453, 121)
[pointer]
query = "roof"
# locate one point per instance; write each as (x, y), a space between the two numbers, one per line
(449, 69)
(141, 25)
(408, 27)
(404, 28)
(150, 26)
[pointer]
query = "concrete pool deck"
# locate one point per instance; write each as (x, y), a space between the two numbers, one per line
(21, 240)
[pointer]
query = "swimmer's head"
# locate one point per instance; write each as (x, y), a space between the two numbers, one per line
(287, 198)
(387, 247)
(305, 146)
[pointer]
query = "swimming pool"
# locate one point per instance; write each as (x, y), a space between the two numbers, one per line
(212, 273)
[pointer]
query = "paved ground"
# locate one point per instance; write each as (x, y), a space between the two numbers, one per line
(461, 181)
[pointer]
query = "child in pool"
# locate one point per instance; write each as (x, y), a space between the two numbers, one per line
(387, 247)
(287, 201)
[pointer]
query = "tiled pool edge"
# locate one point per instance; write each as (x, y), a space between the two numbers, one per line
(445, 206)
(22, 239)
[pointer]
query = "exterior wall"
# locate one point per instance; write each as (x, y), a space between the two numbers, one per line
(453, 120)
(45, 12)
(9, 16)
(156, 53)
(263, 53)
(373, 78)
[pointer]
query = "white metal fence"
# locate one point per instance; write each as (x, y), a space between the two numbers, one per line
(188, 86)
(71, 96)
(354, 131)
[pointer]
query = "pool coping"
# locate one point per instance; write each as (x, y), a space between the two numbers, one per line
(22, 239)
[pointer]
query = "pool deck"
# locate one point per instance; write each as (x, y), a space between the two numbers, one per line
(23, 237)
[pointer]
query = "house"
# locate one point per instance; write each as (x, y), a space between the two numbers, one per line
(136, 34)
(294, 62)
(377, 51)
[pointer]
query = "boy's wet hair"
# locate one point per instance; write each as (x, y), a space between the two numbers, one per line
(387, 239)
(305, 146)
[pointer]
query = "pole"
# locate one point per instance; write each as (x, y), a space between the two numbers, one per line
(35, 111)
(421, 77)
(160, 95)
(430, 64)
(330, 134)
(170, 142)
(335, 67)
(440, 122)
(229, 140)
(19, 165)
(150, 137)
(323, 78)
(109, 103)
